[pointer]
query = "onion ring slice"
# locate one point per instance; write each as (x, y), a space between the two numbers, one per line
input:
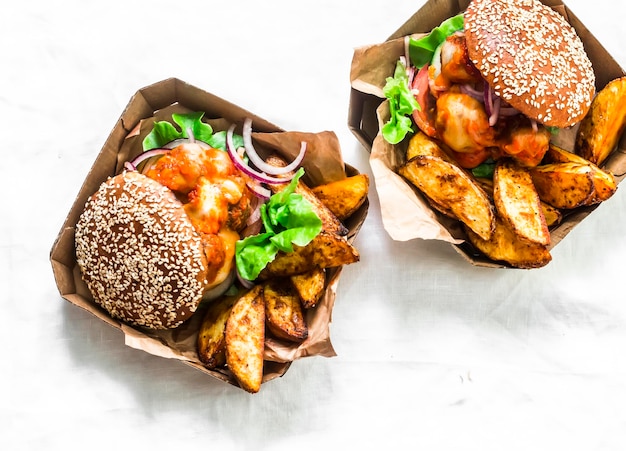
(259, 162)
(243, 167)
(144, 156)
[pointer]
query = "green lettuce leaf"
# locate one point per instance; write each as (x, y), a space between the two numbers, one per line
(218, 141)
(253, 253)
(288, 219)
(402, 103)
(485, 170)
(164, 132)
(422, 50)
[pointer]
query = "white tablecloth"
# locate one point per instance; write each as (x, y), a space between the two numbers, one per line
(433, 353)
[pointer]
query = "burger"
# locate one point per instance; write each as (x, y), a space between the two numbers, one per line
(159, 238)
(494, 81)
(152, 245)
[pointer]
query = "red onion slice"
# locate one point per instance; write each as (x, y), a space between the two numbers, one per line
(259, 162)
(472, 92)
(144, 156)
(492, 104)
(259, 191)
(410, 73)
(244, 282)
(407, 53)
(487, 99)
(254, 228)
(132, 165)
(534, 126)
(243, 167)
(495, 113)
(255, 213)
(179, 141)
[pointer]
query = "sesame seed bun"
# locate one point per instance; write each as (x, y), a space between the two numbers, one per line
(139, 253)
(532, 58)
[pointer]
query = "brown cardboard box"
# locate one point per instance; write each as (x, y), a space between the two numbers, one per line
(157, 102)
(370, 63)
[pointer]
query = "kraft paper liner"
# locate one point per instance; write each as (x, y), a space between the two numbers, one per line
(323, 163)
(405, 213)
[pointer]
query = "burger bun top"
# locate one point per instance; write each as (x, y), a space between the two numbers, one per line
(139, 253)
(532, 58)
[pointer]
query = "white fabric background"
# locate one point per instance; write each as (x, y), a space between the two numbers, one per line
(433, 353)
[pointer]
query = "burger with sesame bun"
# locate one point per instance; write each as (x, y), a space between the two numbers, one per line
(494, 81)
(159, 238)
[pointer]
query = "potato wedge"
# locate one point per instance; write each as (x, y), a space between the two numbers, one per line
(517, 202)
(553, 215)
(245, 339)
(310, 286)
(564, 185)
(211, 343)
(556, 154)
(421, 144)
(602, 127)
(283, 311)
(327, 250)
(452, 188)
(504, 245)
(604, 182)
(344, 197)
(330, 222)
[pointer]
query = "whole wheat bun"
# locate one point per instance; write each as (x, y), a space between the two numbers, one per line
(532, 58)
(139, 253)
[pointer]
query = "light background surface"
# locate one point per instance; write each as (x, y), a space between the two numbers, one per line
(433, 353)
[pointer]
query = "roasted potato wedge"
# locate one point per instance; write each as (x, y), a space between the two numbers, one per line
(245, 339)
(504, 245)
(553, 215)
(517, 202)
(605, 186)
(602, 127)
(556, 154)
(330, 222)
(344, 197)
(603, 181)
(211, 344)
(283, 311)
(310, 286)
(421, 144)
(327, 250)
(564, 185)
(451, 187)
